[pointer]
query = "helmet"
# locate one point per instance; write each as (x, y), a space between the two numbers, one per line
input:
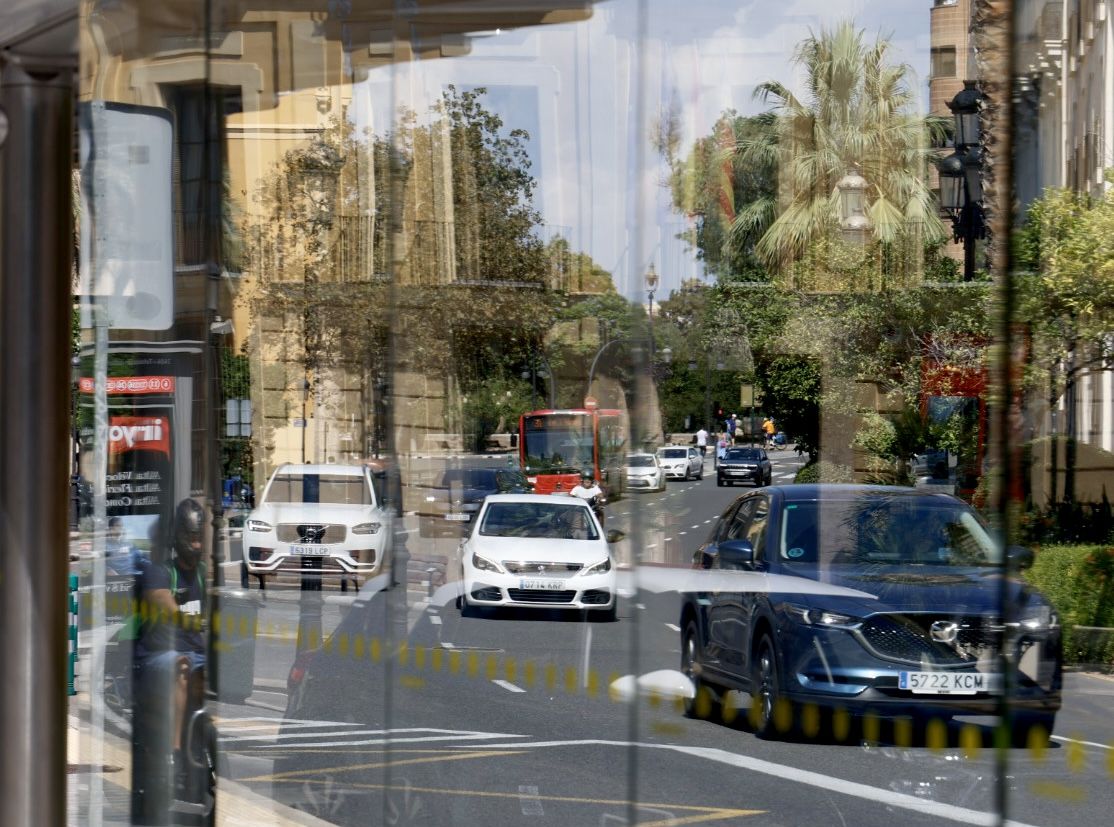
(189, 519)
(587, 474)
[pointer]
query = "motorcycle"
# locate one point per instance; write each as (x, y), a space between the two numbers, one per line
(597, 503)
(163, 793)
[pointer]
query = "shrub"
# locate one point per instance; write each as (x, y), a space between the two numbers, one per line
(1079, 580)
(824, 472)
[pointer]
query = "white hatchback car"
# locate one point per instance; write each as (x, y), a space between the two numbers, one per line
(319, 519)
(643, 473)
(537, 550)
(680, 462)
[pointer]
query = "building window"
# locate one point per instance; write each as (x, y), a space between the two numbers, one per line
(943, 62)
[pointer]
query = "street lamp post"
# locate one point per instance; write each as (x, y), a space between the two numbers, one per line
(854, 224)
(305, 421)
(651, 288)
(961, 176)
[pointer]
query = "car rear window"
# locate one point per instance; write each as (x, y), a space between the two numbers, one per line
(640, 462)
(469, 478)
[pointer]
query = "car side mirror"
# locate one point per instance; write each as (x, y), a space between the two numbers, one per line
(1020, 557)
(736, 554)
(614, 535)
(708, 557)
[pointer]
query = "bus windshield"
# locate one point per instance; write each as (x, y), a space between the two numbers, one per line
(553, 446)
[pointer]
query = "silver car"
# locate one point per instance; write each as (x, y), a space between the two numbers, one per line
(681, 463)
(643, 473)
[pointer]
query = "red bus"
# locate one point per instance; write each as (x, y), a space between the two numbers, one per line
(555, 447)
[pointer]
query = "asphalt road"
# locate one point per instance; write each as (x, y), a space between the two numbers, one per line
(416, 715)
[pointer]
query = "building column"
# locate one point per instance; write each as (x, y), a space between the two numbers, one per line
(36, 241)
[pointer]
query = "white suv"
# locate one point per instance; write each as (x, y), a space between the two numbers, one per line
(319, 519)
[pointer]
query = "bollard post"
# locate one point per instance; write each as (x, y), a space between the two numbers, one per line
(71, 661)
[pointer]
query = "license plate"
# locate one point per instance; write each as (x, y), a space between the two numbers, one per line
(457, 517)
(949, 683)
(309, 551)
(537, 584)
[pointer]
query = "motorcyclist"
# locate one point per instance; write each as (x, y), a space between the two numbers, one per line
(590, 491)
(170, 652)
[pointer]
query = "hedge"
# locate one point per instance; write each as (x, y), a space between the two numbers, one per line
(1079, 580)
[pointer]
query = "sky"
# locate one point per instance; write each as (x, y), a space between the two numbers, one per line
(588, 94)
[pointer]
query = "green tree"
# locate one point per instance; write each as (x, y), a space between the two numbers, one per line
(732, 201)
(858, 110)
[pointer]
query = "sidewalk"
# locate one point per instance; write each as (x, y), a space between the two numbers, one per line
(102, 791)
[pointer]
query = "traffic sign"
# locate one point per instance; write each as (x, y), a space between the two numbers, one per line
(591, 403)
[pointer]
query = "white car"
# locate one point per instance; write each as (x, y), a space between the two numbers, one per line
(319, 519)
(643, 473)
(537, 550)
(680, 462)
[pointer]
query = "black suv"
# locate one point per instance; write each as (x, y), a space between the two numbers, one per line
(867, 599)
(744, 465)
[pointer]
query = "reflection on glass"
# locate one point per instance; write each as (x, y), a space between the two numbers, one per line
(412, 248)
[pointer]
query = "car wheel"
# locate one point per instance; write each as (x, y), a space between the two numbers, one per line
(609, 615)
(771, 715)
(703, 704)
(720, 482)
(1032, 728)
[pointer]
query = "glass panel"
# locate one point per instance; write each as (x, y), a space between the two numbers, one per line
(369, 291)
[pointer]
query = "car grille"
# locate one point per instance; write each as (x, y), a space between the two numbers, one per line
(292, 532)
(534, 596)
(909, 638)
(532, 567)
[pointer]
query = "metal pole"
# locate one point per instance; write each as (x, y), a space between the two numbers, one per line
(36, 239)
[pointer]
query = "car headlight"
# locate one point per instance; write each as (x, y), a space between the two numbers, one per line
(366, 528)
(598, 568)
(1040, 618)
(821, 617)
(258, 525)
(483, 564)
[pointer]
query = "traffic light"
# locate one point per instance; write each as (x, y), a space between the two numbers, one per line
(718, 409)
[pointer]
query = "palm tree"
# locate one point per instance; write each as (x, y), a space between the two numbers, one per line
(857, 111)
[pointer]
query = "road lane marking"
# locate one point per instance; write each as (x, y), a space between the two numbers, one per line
(435, 619)
(674, 627)
(783, 772)
(700, 813)
(510, 687)
(297, 776)
(1065, 740)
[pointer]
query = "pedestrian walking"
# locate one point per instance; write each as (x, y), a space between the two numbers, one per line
(721, 448)
(702, 443)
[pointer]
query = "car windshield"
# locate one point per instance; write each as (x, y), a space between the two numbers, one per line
(673, 453)
(884, 530)
(557, 521)
(743, 454)
(333, 489)
(641, 462)
(511, 481)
